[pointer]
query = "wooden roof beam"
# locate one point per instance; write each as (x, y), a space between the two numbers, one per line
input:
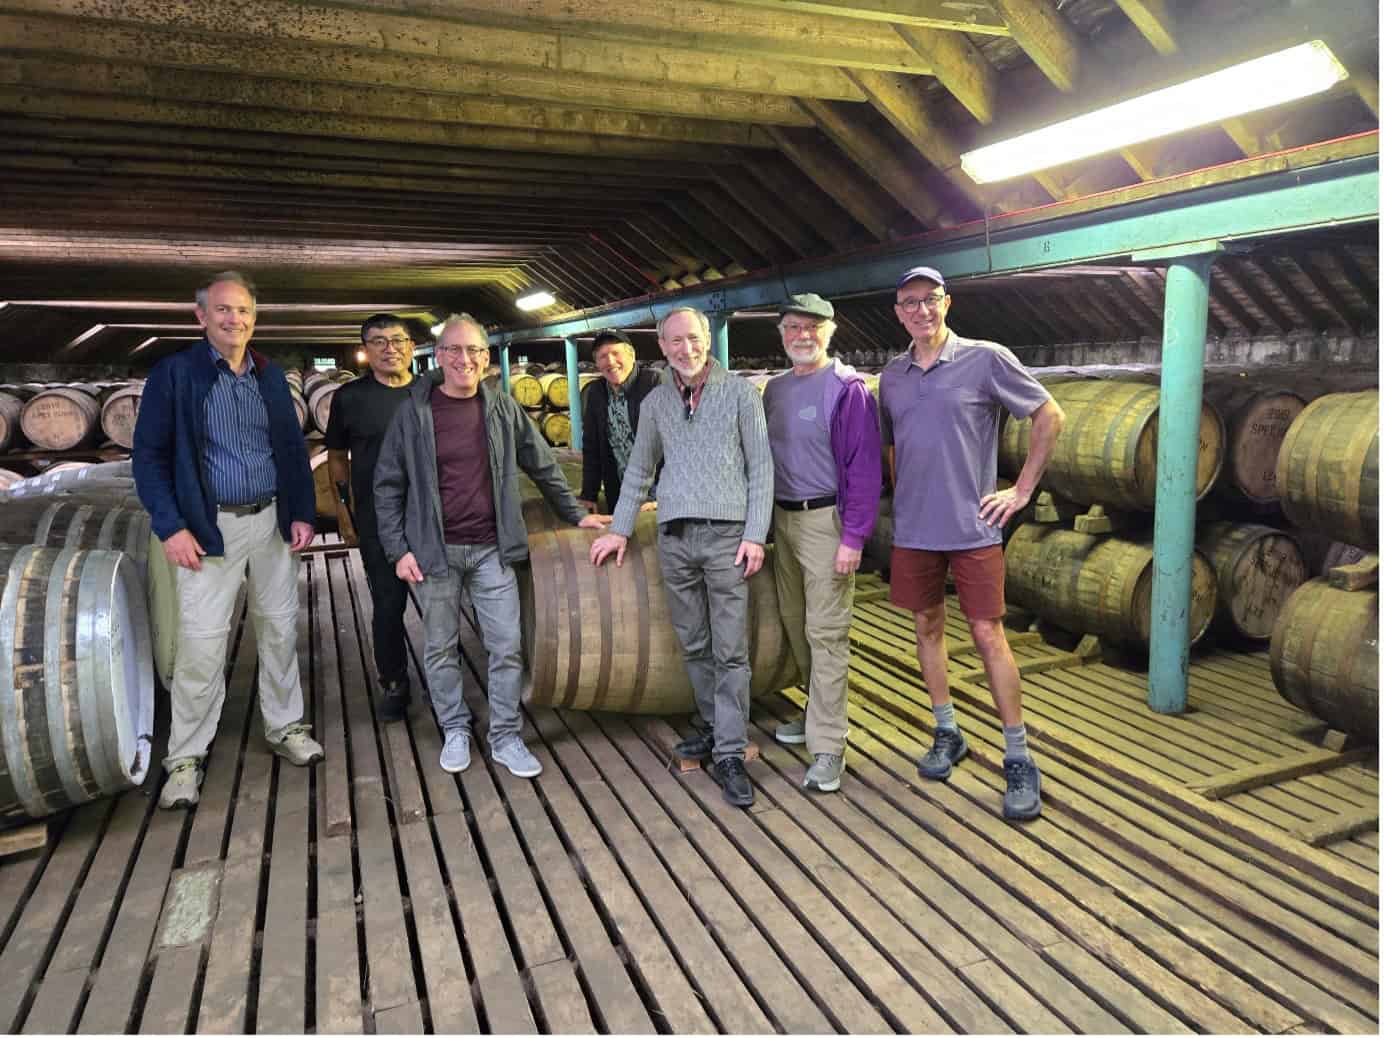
(1153, 19)
(706, 203)
(830, 173)
(1309, 312)
(1340, 307)
(1237, 277)
(798, 194)
(979, 18)
(411, 133)
(879, 161)
(959, 66)
(768, 208)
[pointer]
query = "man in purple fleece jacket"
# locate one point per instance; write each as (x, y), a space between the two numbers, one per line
(824, 434)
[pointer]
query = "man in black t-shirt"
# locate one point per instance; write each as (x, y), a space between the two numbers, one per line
(361, 412)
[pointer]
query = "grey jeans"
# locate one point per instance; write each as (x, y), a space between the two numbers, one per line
(708, 602)
(494, 592)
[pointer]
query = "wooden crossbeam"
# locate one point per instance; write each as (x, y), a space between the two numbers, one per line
(959, 66)
(1339, 827)
(840, 181)
(1311, 762)
(979, 18)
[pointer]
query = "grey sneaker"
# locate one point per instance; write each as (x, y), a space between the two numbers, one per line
(948, 748)
(456, 751)
(1023, 798)
(792, 733)
(514, 755)
(181, 788)
(298, 747)
(825, 773)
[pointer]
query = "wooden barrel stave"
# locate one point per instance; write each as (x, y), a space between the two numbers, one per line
(1257, 418)
(1097, 584)
(615, 649)
(1328, 468)
(526, 390)
(119, 413)
(11, 407)
(61, 418)
(76, 688)
(319, 402)
(1257, 569)
(1324, 656)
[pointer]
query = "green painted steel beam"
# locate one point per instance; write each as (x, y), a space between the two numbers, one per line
(1343, 191)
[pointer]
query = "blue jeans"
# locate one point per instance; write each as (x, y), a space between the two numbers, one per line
(494, 591)
(708, 603)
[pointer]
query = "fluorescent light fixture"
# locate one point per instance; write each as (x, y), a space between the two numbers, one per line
(535, 299)
(1273, 79)
(437, 328)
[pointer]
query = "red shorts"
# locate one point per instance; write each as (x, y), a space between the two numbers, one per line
(917, 580)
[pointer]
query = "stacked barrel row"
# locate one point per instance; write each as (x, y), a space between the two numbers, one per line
(68, 416)
(79, 574)
(543, 394)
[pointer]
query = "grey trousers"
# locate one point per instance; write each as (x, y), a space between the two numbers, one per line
(708, 602)
(494, 592)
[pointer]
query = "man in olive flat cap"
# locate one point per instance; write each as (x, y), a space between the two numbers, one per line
(824, 435)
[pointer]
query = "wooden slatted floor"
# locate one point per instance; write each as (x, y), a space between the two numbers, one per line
(376, 893)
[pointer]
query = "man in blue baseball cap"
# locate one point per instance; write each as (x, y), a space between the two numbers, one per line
(939, 415)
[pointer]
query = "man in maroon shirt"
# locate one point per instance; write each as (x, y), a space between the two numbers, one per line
(449, 514)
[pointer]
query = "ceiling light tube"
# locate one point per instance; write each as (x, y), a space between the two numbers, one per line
(1273, 79)
(535, 299)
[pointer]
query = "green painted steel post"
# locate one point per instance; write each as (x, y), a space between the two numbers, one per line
(1175, 505)
(573, 392)
(504, 367)
(720, 338)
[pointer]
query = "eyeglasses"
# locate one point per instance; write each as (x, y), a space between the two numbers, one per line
(380, 342)
(474, 352)
(910, 306)
(793, 329)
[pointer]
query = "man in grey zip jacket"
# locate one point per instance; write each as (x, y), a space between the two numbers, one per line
(449, 514)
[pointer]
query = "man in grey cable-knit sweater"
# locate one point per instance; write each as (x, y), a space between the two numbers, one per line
(715, 501)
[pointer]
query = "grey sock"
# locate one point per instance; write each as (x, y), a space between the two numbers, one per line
(1015, 743)
(945, 715)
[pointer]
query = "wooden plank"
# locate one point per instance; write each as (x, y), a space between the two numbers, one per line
(611, 849)
(388, 958)
(166, 1008)
(558, 992)
(1339, 828)
(333, 774)
(225, 1003)
(339, 1007)
(777, 988)
(1028, 1015)
(35, 936)
(444, 970)
(25, 838)
(405, 1019)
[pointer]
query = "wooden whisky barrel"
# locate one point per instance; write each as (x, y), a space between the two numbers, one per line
(118, 414)
(1324, 656)
(599, 637)
(1096, 584)
(554, 389)
(322, 488)
(11, 406)
(300, 406)
(61, 418)
(1107, 453)
(1256, 420)
(526, 389)
(557, 428)
(1328, 468)
(76, 686)
(1257, 568)
(112, 478)
(319, 402)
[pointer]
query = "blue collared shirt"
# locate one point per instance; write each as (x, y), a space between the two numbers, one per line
(240, 458)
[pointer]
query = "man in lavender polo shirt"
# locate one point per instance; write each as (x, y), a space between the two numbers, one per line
(824, 433)
(939, 412)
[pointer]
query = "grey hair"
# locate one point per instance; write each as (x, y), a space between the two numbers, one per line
(701, 319)
(235, 277)
(454, 319)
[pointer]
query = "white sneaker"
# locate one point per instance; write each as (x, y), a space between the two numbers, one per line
(456, 751)
(181, 788)
(297, 747)
(514, 755)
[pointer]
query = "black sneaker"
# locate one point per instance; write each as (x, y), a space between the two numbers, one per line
(729, 773)
(696, 746)
(948, 748)
(1023, 798)
(394, 700)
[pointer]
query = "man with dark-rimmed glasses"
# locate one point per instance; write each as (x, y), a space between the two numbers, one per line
(361, 412)
(940, 407)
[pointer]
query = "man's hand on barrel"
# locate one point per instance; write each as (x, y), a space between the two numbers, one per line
(1001, 506)
(596, 522)
(602, 546)
(183, 550)
(407, 569)
(752, 555)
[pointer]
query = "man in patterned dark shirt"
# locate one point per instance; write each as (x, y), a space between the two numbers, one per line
(610, 417)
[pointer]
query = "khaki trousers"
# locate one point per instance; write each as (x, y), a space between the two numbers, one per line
(815, 607)
(207, 597)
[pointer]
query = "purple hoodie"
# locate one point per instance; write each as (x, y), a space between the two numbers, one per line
(855, 444)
